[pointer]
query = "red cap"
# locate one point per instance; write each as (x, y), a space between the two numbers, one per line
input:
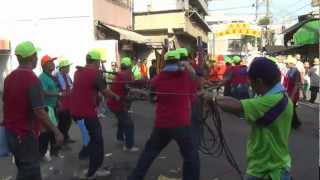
(46, 58)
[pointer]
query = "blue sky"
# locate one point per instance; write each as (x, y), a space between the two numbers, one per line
(279, 8)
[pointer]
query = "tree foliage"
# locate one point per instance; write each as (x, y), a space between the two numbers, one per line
(264, 21)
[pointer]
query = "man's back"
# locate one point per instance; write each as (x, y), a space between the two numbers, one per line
(84, 94)
(119, 87)
(239, 75)
(173, 90)
(17, 106)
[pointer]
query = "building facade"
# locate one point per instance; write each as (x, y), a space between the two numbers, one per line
(116, 13)
(181, 22)
(113, 23)
(231, 43)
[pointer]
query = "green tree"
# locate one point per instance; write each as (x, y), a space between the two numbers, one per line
(264, 21)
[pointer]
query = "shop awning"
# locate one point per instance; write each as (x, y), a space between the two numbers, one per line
(126, 34)
(288, 33)
(307, 34)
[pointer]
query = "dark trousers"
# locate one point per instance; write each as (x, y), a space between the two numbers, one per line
(26, 153)
(125, 130)
(314, 93)
(64, 123)
(96, 146)
(159, 139)
(196, 118)
(296, 123)
(227, 90)
(44, 139)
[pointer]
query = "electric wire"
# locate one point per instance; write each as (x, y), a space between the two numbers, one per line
(213, 141)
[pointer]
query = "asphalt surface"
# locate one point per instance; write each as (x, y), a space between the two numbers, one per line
(303, 145)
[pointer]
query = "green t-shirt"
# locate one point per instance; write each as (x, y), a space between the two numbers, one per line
(136, 72)
(49, 84)
(52, 115)
(267, 146)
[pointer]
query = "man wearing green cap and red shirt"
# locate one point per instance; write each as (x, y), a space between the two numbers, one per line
(239, 81)
(172, 87)
(24, 113)
(88, 82)
(196, 111)
(120, 86)
(51, 95)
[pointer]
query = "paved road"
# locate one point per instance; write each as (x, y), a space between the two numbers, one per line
(303, 145)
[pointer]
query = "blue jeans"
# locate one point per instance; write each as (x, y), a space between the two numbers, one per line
(125, 130)
(285, 176)
(84, 132)
(159, 139)
(96, 146)
(26, 153)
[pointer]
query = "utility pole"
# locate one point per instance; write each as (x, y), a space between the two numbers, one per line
(267, 16)
(257, 8)
(267, 8)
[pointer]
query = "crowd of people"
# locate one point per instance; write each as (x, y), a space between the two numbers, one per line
(292, 69)
(38, 111)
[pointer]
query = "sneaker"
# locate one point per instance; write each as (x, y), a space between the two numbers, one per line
(102, 173)
(133, 149)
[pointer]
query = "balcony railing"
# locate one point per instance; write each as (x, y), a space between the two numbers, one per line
(200, 4)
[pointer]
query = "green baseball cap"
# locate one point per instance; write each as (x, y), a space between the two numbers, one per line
(95, 55)
(183, 52)
(227, 59)
(126, 61)
(103, 53)
(64, 62)
(172, 55)
(26, 49)
(236, 59)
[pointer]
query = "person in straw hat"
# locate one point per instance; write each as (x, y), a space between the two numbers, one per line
(292, 82)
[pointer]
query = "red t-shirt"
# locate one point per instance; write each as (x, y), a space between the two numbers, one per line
(173, 105)
(239, 75)
(292, 77)
(119, 87)
(85, 93)
(21, 94)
